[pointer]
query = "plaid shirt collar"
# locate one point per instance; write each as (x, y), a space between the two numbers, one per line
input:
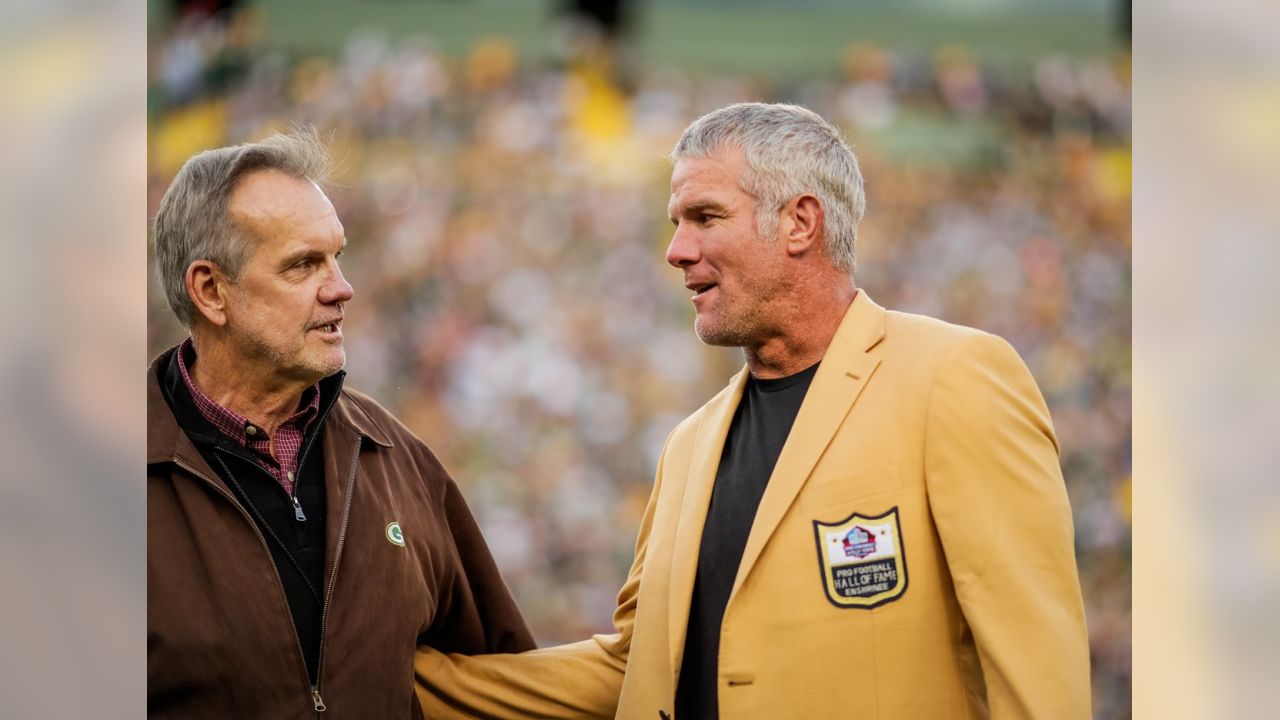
(232, 424)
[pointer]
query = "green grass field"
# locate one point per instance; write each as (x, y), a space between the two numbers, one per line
(773, 41)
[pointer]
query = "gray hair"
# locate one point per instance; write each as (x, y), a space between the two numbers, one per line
(789, 151)
(193, 223)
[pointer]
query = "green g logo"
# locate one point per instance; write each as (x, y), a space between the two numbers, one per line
(395, 534)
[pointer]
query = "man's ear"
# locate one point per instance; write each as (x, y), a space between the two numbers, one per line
(207, 287)
(802, 224)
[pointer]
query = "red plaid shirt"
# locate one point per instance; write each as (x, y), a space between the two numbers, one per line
(288, 438)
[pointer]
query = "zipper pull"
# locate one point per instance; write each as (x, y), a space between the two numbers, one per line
(316, 699)
(298, 515)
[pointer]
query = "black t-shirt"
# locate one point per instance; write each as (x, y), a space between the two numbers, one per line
(760, 427)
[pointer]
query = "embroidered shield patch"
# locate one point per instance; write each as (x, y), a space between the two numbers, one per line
(862, 560)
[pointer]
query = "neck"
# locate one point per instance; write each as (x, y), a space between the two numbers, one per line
(233, 383)
(804, 339)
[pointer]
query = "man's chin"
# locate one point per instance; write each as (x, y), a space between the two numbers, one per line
(717, 336)
(335, 364)
(322, 368)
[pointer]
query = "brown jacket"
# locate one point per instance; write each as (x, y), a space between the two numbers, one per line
(220, 641)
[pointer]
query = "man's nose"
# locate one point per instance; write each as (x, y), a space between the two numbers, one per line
(337, 289)
(683, 250)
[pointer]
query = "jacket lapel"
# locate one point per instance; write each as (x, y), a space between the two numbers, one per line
(696, 501)
(846, 368)
(345, 428)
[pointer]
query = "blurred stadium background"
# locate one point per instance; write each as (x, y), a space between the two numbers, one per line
(504, 190)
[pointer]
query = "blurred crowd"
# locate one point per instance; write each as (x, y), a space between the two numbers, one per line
(507, 221)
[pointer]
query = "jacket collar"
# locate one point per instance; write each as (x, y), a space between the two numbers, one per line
(167, 442)
(846, 368)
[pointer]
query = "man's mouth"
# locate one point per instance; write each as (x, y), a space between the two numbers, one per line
(329, 327)
(700, 288)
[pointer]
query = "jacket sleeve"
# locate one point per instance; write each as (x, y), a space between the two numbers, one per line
(1001, 510)
(579, 680)
(475, 611)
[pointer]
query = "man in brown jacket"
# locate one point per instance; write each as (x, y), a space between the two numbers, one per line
(302, 542)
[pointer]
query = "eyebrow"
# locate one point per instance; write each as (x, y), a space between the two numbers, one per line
(293, 258)
(698, 206)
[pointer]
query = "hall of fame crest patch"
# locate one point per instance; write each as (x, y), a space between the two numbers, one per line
(862, 561)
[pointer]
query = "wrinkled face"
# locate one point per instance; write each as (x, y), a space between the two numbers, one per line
(733, 272)
(284, 313)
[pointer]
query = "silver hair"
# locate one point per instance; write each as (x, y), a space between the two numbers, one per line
(193, 222)
(789, 151)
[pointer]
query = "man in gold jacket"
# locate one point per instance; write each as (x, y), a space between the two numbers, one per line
(869, 521)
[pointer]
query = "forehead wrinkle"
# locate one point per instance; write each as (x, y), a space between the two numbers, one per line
(727, 168)
(273, 204)
(254, 208)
